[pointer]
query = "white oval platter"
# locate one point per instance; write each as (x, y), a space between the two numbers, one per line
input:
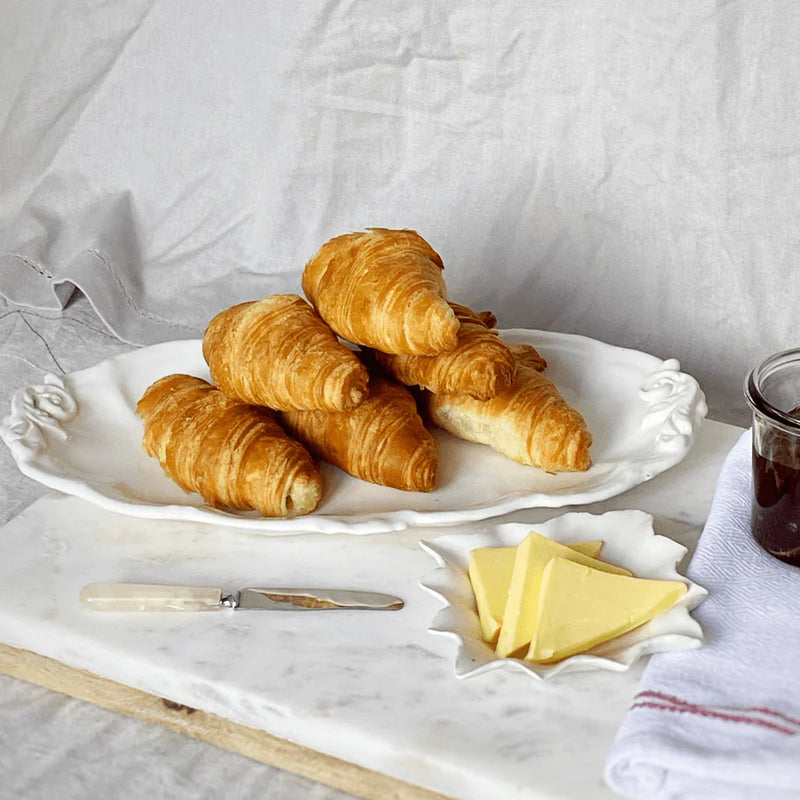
(80, 435)
(629, 541)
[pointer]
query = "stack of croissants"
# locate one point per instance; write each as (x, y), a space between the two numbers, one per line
(290, 389)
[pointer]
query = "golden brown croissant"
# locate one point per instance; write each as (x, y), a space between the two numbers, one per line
(527, 354)
(233, 454)
(383, 440)
(486, 317)
(529, 422)
(480, 364)
(383, 289)
(278, 353)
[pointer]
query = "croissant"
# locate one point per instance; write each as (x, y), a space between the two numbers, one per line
(480, 364)
(383, 289)
(233, 454)
(383, 441)
(278, 353)
(529, 422)
(486, 317)
(528, 355)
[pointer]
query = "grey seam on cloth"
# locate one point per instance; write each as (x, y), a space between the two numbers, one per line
(107, 263)
(28, 263)
(128, 299)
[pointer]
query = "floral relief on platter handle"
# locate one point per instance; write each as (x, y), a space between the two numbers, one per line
(36, 411)
(676, 405)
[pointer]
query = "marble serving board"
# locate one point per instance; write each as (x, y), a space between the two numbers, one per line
(375, 690)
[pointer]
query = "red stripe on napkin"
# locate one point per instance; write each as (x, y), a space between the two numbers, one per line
(782, 716)
(667, 702)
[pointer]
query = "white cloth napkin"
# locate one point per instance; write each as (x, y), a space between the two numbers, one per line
(722, 721)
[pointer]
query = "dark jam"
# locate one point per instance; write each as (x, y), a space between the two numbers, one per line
(776, 506)
(776, 510)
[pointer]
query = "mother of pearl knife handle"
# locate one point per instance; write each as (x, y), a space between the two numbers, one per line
(150, 597)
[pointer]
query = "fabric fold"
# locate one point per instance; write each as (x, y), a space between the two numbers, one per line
(722, 720)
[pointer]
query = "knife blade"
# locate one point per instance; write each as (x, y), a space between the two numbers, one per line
(164, 597)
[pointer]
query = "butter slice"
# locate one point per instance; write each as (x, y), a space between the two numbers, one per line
(581, 607)
(522, 605)
(591, 548)
(490, 570)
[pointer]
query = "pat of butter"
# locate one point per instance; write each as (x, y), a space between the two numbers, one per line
(490, 571)
(522, 605)
(591, 548)
(581, 607)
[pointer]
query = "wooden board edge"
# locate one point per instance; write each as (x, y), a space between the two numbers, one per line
(210, 728)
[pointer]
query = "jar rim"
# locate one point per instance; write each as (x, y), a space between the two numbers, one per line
(759, 403)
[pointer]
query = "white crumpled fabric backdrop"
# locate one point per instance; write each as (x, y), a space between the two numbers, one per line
(625, 170)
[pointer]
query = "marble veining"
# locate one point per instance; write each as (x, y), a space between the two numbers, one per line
(376, 688)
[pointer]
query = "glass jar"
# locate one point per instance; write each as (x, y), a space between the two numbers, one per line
(773, 391)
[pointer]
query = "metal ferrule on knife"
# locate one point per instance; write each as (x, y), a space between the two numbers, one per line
(156, 597)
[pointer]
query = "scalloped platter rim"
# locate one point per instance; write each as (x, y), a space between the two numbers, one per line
(629, 541)
(80, 435)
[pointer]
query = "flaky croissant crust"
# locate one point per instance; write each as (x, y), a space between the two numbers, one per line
(383, 440)
(233, 454)
(529, 422)
(479, 365)
(277, 352)
(383, 289)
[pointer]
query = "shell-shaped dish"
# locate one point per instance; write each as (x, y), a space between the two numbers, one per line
(629, 541)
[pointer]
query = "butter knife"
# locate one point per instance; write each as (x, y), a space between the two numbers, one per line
(157, 597)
